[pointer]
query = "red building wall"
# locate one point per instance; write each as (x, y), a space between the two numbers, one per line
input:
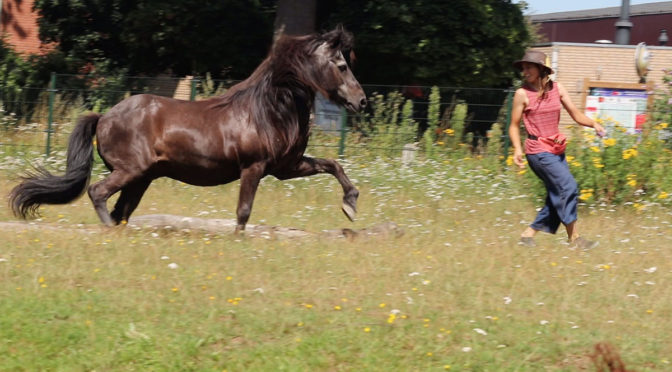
(645, 28)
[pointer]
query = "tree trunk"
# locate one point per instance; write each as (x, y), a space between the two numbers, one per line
(295, 17)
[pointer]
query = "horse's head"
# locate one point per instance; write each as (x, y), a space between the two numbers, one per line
(331, 74)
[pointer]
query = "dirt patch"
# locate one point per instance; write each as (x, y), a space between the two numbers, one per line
(172, 223)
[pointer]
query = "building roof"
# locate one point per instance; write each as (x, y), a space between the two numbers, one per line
(664, 7)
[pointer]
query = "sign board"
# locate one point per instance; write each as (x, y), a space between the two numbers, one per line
(328, 115)
(618, 103)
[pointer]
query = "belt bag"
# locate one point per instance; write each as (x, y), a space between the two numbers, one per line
(555, 144)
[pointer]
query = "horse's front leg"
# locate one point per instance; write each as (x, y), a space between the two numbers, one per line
(249, 181)
(309, 166)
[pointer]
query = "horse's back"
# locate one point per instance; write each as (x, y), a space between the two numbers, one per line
(185, 140)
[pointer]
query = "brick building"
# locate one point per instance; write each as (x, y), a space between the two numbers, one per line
(582, 55)
(18, 25)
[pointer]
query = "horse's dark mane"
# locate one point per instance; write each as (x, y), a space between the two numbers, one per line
(280, 92)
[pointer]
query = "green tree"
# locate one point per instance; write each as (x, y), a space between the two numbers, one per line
(225, 37)
(433, 42)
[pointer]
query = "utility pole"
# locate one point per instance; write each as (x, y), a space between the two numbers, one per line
(623, 25)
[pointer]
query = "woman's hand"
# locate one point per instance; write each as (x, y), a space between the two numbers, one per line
(599, 130)
(518, 158)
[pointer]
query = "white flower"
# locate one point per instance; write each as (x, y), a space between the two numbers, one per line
(415, 273)
(544, 322)
(651, 270)
(172, 265)
(480, 331)
(507, 300)
(466, 349)
(165, 257)
(632, 295)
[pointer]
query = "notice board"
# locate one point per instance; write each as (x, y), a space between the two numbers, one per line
(620, 103)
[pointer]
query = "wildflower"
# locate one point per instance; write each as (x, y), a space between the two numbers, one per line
(480, 331)
(337, 307)
(594, 149)
(308, 306)
(570, 158)
(662, 195)
(629, 153)
(367, 329)
(609, 142)
(586, 194)
(597, 163)
(449, 131)
(381, 305)
(391, 318)
(509, 160)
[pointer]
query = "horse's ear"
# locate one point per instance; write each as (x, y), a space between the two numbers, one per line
(339, 39)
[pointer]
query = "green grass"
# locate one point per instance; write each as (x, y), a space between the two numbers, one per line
(82, 298)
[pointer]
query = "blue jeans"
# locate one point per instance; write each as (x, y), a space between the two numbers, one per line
(562, 198)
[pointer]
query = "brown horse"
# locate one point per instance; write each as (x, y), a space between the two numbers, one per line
(259, 127)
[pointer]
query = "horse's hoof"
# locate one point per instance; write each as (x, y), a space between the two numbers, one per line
(349, 212)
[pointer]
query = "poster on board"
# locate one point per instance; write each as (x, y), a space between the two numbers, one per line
(621, 105)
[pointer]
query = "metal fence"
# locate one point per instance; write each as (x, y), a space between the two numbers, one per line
(39, 119)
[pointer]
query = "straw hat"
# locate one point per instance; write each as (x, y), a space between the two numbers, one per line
(534, 56)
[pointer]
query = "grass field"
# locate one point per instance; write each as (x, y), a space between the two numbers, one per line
(455, 292)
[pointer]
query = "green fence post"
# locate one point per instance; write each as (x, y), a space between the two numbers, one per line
(192, 94)
(509, 108)
(341, 142)
(50, 117)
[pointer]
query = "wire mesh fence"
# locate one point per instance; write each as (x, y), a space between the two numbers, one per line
(36, 119)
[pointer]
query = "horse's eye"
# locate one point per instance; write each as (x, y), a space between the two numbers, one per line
(343, 67)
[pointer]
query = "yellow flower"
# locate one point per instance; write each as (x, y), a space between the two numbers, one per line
(449, 131)
(632, 182)
(576, 164)
(629, 153)
(570, 158)
(609, 142)
(662, 195)
(367, 329)
(594, 149)
(337, 307)
(391, 318)
(509, 160)
(585, 196)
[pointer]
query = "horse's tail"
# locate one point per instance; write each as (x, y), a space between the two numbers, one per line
(41, 187)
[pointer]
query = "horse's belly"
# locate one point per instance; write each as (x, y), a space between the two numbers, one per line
(200, 176)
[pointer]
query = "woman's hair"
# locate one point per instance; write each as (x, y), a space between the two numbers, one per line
(546, 82)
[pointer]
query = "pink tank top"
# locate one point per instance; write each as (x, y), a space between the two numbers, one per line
(541, 117)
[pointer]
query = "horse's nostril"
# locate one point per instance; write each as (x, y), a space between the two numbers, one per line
(363, 102)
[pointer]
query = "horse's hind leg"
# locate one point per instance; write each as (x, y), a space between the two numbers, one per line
(129, 200)
(101, 191)
(249, 182)
(310, 166)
